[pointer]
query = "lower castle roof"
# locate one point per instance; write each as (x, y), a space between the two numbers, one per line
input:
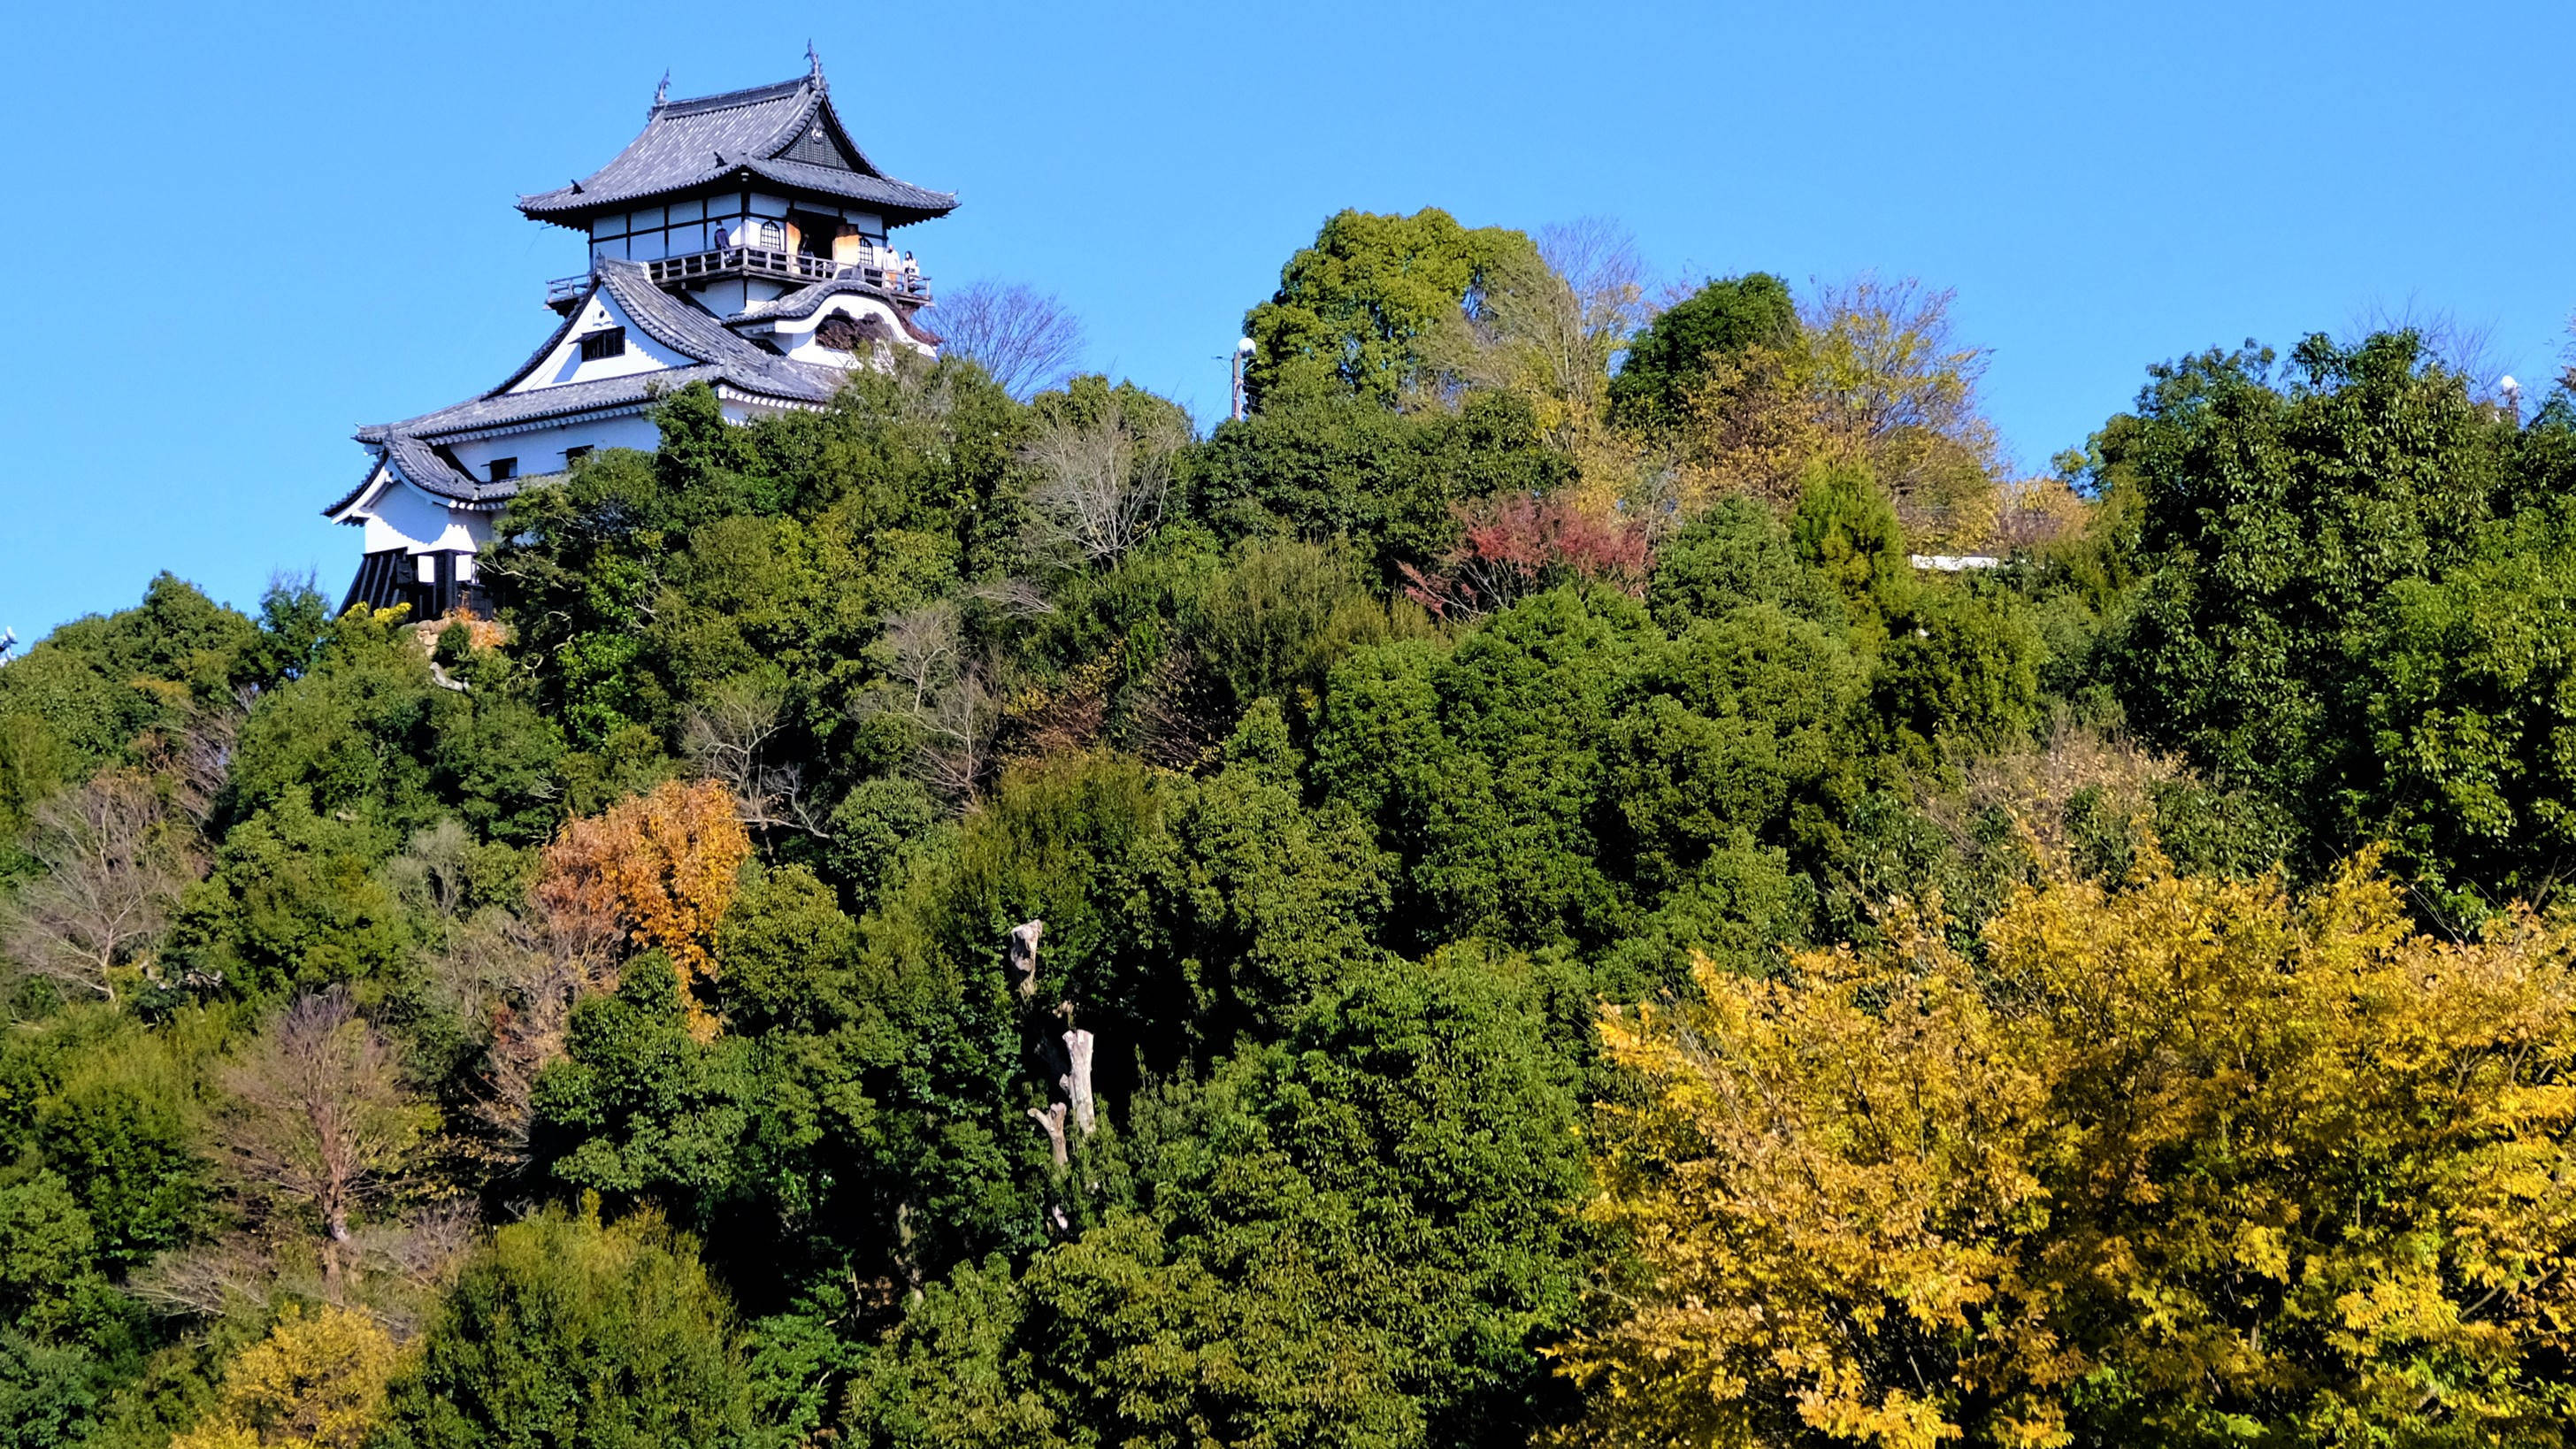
(414, 447)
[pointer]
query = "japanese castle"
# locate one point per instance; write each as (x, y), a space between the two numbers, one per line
(740, 241)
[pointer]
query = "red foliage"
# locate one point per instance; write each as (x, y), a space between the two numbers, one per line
(1515, 546)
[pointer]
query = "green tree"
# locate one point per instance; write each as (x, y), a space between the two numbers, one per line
(1356, 309)
(122, 1129)
(1737, 552)
(573, 1334)
(1745, 723)
(1339, 468)
(2469, 713)
(1357, 1237)
(1846, 529)
(1482, 768)
(2274, 514)
(1668, 359)
(1962, 666)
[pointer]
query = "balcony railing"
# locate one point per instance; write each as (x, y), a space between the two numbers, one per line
(795, 267)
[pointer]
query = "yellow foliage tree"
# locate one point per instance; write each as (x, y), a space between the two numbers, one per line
(1875, 376)
(2182, 1162)
(1547, 325)
(316, 1382)
(663, 865)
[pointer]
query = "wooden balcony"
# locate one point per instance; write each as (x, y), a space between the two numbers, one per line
(795, 267)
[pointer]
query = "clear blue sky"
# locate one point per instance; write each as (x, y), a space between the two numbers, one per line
(239, 231)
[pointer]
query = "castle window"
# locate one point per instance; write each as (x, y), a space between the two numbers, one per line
(606, 342)
(502, 470)
(575, 455)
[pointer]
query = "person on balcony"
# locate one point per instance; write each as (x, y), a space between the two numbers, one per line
(911, 274)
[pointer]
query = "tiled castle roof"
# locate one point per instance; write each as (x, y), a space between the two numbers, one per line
(806, 301)
(787, 133)
(413, 446)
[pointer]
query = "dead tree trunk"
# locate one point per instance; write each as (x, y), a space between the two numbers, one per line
(1051, 1120)
(1024, 957)
(1076, 1080)
(1059, 1061)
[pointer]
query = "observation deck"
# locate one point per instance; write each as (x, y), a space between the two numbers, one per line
(800, 268)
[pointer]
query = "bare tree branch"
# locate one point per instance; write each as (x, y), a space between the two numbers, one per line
(2455, 343)
(231, 1275)
(517, 978)
(1016, 598)
(1101, 483)
(318, 1122)
(728, 734)
(931, 683)
(114, 861)
(1025, 338)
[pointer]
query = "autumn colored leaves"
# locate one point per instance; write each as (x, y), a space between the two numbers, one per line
(2175, 1154)
(662, 867)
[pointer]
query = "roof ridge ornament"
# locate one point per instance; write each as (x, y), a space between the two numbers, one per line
(662, 92)
(813, 62)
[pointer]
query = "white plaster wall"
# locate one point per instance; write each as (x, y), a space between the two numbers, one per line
(401, 516)
(542, 450)
(796, 338)
(565, 363)
(724, 297)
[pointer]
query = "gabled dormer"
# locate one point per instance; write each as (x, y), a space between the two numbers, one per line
(598, 341)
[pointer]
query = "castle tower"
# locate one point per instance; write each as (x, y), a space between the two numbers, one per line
(742, 240)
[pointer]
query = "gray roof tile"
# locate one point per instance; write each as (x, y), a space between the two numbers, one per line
(502, 409)
(716, 356)
(805, 301)
(894, 197)
(687, 144)
(432, 473)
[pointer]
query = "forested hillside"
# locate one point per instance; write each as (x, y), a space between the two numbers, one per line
(1490, 902)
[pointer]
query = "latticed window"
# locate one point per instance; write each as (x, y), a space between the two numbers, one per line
(606, 342)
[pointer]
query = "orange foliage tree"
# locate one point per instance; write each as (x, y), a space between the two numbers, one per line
(662, 865)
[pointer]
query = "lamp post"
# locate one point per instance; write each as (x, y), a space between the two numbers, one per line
(1242, 355)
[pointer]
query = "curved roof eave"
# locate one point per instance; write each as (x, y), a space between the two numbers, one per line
(690, 144)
